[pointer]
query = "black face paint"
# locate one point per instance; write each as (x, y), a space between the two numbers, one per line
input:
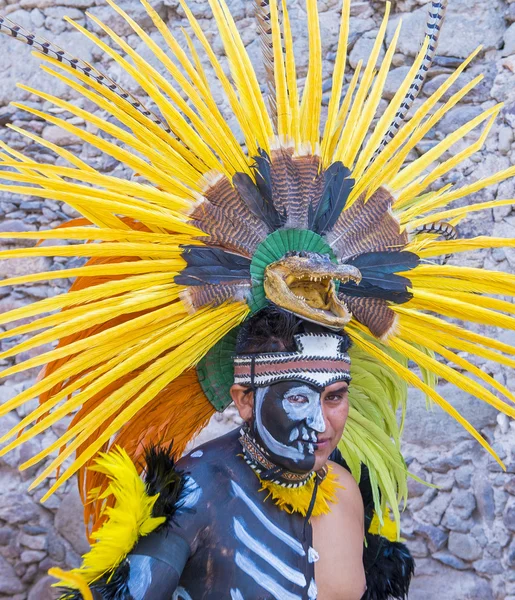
(287, 420)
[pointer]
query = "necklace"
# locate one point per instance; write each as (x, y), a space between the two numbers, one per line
(292, 492)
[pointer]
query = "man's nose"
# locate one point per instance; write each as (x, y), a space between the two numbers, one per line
(316, 419)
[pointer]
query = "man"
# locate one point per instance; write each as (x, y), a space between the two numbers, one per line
(326, 221)
(263, 512)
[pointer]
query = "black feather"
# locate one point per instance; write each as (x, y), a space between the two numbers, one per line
(385, 262)
(263, 173)
(379, 276)
(258, 196)
(389, 568)
(212, 265)
(364, 290)
(162, 477)
(337, 187)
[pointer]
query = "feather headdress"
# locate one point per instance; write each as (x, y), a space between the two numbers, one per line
(180, 257)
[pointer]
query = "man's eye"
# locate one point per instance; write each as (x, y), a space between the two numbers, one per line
(297, 399)
(335, 397)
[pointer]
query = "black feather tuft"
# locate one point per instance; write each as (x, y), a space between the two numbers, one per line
(161, 477)
(389, 568)
(258, 199)
(379, 276)
(337, 187)
(114, 587)
(212, 265)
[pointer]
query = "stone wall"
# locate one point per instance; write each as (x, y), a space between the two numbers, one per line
(460, 531)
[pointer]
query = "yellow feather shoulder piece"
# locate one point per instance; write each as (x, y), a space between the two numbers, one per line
(387, 529)
(129, 519)
(298, 499)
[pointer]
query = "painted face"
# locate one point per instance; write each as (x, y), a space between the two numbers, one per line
(287, 420)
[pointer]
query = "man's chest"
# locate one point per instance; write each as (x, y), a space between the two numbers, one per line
(252, 551)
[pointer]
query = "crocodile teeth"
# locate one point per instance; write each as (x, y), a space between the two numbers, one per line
(313, 436)
(305, 434)
(300, 447)
(311, 449)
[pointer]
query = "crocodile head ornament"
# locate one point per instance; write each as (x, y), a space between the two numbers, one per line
(304, 283)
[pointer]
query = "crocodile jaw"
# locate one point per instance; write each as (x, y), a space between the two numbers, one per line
(308, 294)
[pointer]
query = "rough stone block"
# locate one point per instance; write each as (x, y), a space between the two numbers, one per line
(69, 523)
(464, 546)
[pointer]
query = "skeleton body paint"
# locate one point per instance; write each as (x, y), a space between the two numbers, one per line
(250, 550)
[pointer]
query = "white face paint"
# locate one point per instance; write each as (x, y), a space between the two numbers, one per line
(309, 411)
(288, 419)
(273, 445)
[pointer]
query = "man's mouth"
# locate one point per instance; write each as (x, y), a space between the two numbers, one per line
(322, 444)
(303, 438)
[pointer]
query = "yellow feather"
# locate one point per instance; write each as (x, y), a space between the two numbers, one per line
(243, 117)
(281, 87)
(341, 118)
(71, 580)
(124, 356)
(390, 160)
(129, 303)
(489, 282)
(368, 113)
(297, 500)
(439, 248)
(62, 152)
(182, 203)
(174, 265)
(357, 106)
(450, 307)
(455, 377)
(243, 73)
(108, 357)
(291, 77)
(137, 164)
(206, 132)
(311, 104)
(337, 82)
(208, 327)
(127, 521)
(176, 148)
(389, 114)
(455, 215)
(91, 341)
(107, 249)
(210, 125)
(387, 529)
(415, 355)
(90, 294)
(417, 187)
(152, 216)
(413, 170)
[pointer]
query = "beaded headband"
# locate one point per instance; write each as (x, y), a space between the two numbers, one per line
(318, 361)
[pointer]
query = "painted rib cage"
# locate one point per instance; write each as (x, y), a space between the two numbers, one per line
(129, 336)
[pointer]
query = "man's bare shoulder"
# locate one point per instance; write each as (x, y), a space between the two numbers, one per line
(348, 492)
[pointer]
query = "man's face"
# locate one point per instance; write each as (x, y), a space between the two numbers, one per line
(298, 424)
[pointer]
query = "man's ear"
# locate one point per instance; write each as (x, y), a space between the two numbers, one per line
(244, 401)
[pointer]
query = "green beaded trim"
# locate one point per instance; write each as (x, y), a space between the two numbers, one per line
(274, 247)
